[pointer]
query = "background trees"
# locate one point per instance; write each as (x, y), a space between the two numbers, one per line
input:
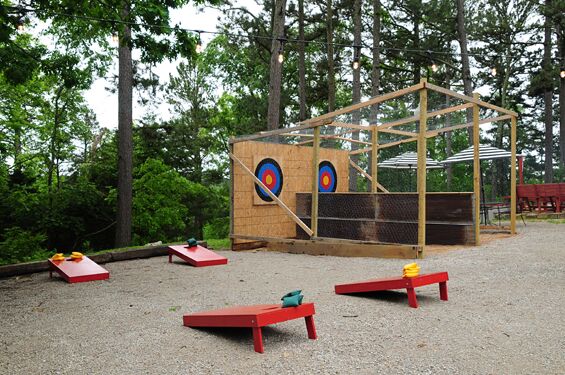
(58, 165)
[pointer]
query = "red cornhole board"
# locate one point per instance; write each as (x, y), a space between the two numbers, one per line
(408, 283)
(78, 270)
(255, 317)
(197, 256)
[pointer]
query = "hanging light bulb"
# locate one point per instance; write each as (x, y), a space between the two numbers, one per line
(356, 54)
(493, 72)
(115, 37)
(281, 49)
(199, 44)
(562, 73)
(434, 67)
(21, 24)
(355, 64)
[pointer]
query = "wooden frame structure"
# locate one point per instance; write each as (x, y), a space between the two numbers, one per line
(421, 136)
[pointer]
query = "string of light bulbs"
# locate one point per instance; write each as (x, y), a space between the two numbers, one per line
(356, 64)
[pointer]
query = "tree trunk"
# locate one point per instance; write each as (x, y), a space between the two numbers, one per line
(375, 69)
(448, 143)
(125, 136)
(356, 95)
(331, 68)
(548, 97)
(417, 18)
(303, 114)
(466, 71)
(275, 74)
(561, 49)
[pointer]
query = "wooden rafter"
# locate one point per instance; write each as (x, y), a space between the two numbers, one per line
(372, 101)
(433, 133)
(470, 99)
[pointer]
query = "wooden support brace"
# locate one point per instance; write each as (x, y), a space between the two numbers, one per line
(281, 204)
(366, 175)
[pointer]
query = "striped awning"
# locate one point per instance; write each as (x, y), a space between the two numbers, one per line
(485, 153)
(408, 160)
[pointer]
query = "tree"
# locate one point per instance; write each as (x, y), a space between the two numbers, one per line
(330, 55)
(275, 74)
(466, 70)
(149, 21)
(356, 89)
(548, 94)
(303, 114)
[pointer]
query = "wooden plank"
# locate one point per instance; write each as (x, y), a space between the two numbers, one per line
(347, 139)
(367, 176)
(449, 110)
(241, 246)
(315, 180)
(344, 249)
(374, 159)
(399, 132)
(466, 98)
(350, 126)
(422, 170)
(338, 247)
(372, 101)
(513, 176)
(270, 133)
(403, 121)
(476, 170)
(273, 196)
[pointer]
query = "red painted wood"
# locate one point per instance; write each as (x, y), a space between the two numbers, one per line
(408, 283)
(311, 327)
(412, 301)
(258, 340)
(255, 317)
(527, 196)
(443, 291)
(78, 270)
(197, 256)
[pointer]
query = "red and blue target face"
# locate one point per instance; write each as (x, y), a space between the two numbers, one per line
(327, 182)
(270, 174)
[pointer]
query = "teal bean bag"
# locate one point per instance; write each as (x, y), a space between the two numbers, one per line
(292, 299)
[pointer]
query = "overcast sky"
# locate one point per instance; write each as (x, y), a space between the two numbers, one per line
(105, 103)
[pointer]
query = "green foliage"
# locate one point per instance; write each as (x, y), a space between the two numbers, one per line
(158, 212)
(219, 244)
(18, 245)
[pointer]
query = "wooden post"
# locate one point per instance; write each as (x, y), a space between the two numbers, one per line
(232, 177)
(513, 175)
(476, 171)
(422, 148)
(374, 156)
(315, 178)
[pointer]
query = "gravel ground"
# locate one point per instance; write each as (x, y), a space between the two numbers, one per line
(505, 315)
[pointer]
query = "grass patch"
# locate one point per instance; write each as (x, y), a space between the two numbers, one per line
(219, 244)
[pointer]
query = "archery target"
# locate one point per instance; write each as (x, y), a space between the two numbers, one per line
(327, 177)
(270, 174)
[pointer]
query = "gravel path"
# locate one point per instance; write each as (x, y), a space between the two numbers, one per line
(505, 315)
